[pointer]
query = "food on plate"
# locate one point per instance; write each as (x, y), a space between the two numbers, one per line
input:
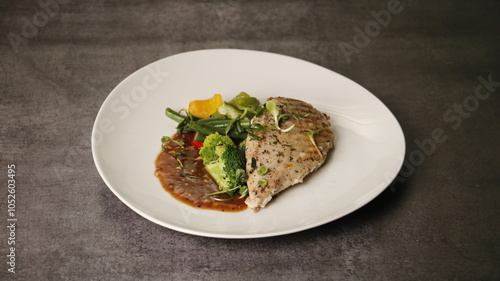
(182, 173)
(283, 156)
(225, 162)
(205, 108)
(232, 155)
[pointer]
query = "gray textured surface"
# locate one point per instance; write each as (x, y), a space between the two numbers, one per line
(440, 223)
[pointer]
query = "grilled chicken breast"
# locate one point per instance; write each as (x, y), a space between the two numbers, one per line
(278, 159)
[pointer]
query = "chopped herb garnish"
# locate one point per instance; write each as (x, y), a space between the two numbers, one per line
(262, 170)
(167, 139)
(178, 153)
(253, 136)
(295, 115)
(191, 176)
(253, 164)
(180, 163)
(273, 109)
(310, 134)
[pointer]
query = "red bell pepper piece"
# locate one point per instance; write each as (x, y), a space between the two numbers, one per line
(197, 144)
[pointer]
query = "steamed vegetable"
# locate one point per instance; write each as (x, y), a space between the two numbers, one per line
(243, 106)
(217, 126)
(230, 118)
(205, 108)
(225, 162)
(244, 100)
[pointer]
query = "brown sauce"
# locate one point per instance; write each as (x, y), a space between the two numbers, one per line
(181, 172)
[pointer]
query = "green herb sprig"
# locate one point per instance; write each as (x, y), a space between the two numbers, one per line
(311, 134)
(273, 109)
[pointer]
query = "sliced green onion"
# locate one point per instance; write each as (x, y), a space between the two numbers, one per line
(262, 170)
(167, 139)
(310, 134)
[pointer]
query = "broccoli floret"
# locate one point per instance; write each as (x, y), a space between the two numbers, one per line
(225, 162)
(207, 151)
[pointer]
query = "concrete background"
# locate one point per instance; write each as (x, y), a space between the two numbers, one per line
(59, 61)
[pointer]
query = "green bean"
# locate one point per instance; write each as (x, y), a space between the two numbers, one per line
(232, 127)
(207, 130)
(199, 136)
(222, 123)
(177, 117)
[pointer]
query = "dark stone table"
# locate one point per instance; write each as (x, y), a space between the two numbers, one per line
(435, 64)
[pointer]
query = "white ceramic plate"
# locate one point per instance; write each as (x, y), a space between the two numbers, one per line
(126, 137)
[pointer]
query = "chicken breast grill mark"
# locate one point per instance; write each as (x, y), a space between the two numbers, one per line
(287, 156)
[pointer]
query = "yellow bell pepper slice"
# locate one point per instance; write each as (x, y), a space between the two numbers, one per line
(205, 108)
